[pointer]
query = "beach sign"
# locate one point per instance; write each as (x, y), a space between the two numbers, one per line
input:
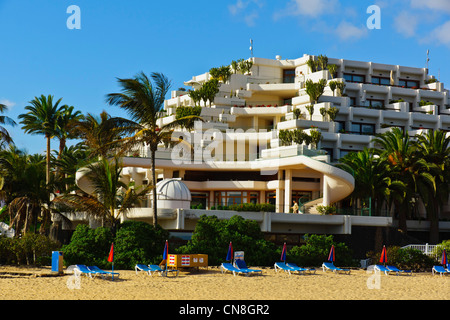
(239, 255)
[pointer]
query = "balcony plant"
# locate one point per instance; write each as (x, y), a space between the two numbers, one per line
(332, 68)
(297, 114)
(315, 89)
(310, 109)
(323, 112)
(332, 113)
(322, 62)
(332, 85)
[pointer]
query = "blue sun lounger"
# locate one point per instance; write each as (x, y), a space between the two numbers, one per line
(283, 266)
(439, 269)
(229, 267)
(81, 268)
(295, 267)
(380, 268)
(330, 266)
(103, 273)
(240, 264)
(398, 271)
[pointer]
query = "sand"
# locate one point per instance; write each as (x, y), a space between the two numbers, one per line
(20, 283)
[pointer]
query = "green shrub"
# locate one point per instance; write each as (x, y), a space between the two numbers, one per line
(138, 242)
(88, 246)
(409, 258)
(135, 242)
(212, 237)
(31, 249)
(316, 251)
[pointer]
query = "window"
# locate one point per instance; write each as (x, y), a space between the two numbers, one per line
(271, 197)
(352, 101)
(228, 198)
(288, 75)
(363, 128)
(375, 103)
(355, 77)
(408, 83)
(381, 80)
(301, 196)
(199, 200)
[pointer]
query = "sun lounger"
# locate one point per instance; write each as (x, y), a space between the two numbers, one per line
(398, 271)
(240, 264)
(282, 266)
(380, 268)
(229, 267)
(330, 266)
(143, 268)
(439, 269)
(82, 269)
(103, 272)
(295, 267)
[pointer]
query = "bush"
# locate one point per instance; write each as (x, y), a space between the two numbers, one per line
(411, 259)
(212, 237)
(135, 242)
(139, 242)
(88, 246)
(32, 249)
(316, 251)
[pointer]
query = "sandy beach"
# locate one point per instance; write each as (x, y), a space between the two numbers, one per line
(20, 283)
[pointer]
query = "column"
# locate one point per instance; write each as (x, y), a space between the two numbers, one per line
(326, 191)
(287, 190)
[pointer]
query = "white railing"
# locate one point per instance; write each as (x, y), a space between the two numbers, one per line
(428, 249)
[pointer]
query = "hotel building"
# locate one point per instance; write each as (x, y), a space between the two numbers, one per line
(236, 155)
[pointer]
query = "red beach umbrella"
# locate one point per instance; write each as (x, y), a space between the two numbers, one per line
(383, 258)
(444, 258)
(331, 255)
(283, 253)
(230, 252)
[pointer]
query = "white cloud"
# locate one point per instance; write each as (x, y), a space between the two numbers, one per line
(406, 23)
(7, 103)
(442, 34)
(242, 7)
(440, 5)
(347, 31)
(309, 8)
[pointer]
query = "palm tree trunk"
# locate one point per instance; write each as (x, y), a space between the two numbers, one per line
(434, 223)
(47, 172)
(155, 200)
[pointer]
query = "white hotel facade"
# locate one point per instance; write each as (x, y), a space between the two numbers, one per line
(238, 158)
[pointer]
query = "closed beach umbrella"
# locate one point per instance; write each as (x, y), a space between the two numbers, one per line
(444, 258)
(283, 253)
(166, 251)
(230, 252)
(383, 258)
(331, 255)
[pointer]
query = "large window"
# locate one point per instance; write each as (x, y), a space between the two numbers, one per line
(363, 128)
(301, 196)
(199, 200)
(375, 103)
(228, 198)
(355, 77)
(288, 75)
(381, 80)
(408, 83)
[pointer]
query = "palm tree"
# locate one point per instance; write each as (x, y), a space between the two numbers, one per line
(433, 146)
(41, 118)
(111, 197)
(66, 119)
(405, 166)
(101, 133)
(4, 134)
(24, 188)
(144, 102)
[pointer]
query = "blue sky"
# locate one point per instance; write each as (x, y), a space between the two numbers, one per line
(40, 55)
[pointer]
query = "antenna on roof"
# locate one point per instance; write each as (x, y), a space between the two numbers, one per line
(428, 59)
(251, 47)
